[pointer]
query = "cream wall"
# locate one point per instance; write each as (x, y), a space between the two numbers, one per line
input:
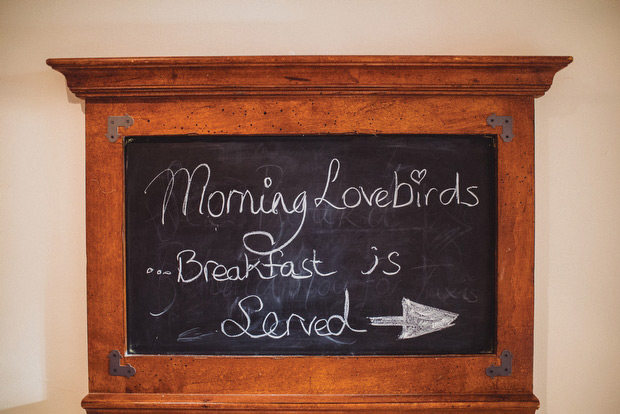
(42, 255)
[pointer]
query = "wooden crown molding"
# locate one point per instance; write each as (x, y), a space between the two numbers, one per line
(157, 77)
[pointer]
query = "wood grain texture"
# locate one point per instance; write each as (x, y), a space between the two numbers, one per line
(309, 75)
(310, 95)
(192, 404)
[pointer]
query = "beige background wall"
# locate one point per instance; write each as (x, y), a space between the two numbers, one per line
(42, 255)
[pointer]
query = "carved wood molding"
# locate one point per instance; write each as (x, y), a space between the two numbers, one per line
(137, 78)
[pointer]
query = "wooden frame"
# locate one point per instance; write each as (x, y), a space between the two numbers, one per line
(310, 95)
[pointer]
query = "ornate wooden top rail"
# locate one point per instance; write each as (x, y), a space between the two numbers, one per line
(101, 78)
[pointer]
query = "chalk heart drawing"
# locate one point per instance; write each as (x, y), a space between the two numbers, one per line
(417, 319)
(418, 175)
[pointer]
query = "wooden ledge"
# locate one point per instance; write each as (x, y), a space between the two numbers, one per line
(192, 403)
(138, 78)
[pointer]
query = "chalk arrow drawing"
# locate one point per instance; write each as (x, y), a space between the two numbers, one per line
(417, 319)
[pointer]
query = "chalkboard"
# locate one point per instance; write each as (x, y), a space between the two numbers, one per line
(311, 245)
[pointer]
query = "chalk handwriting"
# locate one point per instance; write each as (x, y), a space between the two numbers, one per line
(395, 267)
(398, 194)
(190, 269)
(215, 204)
(262, 249)
(274, 327)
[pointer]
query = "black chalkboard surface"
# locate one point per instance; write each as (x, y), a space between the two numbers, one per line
(311, 245)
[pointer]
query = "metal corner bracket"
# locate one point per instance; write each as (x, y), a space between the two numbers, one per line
(114, 122)
(505, 122)
(503, 370)
(116, 369)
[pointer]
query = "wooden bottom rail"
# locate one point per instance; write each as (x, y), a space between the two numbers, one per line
(108, 403)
